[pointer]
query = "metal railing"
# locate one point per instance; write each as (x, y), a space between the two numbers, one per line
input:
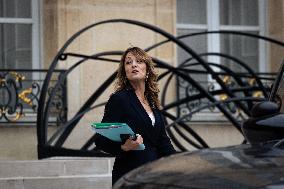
(185, 90)
(19, 96)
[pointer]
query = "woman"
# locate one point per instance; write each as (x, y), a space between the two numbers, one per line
(136, 103)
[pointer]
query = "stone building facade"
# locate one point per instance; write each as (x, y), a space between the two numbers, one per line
(58, 20)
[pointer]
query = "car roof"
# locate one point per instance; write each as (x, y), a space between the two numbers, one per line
(241, 166)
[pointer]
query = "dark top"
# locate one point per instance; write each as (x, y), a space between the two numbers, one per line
(125, 107)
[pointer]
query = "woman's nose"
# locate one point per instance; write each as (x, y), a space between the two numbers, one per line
(134, 64)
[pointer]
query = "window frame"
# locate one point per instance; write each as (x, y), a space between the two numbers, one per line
(214, 42)
(35, 24)
(213, 24)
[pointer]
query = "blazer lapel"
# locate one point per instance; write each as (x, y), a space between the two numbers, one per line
(149, 131)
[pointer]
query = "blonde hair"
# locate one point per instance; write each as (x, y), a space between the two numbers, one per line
(151, 85)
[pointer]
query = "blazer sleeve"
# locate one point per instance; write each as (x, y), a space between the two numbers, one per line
(113, 113)
(165, 146)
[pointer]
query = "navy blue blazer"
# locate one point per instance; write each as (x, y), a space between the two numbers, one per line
(125, 107)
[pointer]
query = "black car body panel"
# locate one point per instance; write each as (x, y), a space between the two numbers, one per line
(235, 167)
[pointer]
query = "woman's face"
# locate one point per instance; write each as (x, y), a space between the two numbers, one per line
(135, 70)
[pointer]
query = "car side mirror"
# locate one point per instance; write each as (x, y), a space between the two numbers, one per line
(265, 108)
(265, 124)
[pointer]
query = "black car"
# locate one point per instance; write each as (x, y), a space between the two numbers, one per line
(242, 166)
(259, 164)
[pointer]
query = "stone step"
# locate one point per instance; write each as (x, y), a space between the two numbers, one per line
(56, 173)
(55, 167)
(60, 182)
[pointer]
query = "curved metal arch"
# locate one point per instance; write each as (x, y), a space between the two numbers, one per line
(277, 42)
(40, 121)
(78, 116)
(178, 121)
(70, 127)
(41, 118)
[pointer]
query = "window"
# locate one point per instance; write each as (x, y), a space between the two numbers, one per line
(211, 15)
(19, 34)
(19, 49)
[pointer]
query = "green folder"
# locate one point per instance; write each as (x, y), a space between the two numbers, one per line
(113, 131)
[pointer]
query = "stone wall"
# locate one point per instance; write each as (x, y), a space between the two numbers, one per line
(276, 31)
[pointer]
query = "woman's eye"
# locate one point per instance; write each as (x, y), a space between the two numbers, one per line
(128, 62)
(139, 61)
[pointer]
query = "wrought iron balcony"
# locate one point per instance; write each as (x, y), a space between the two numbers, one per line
(212, 114)
(19, 96)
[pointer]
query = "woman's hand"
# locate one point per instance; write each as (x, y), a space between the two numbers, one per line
(132, 144)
